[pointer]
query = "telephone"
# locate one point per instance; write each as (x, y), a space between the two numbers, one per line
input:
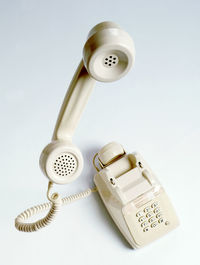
(130, 191)
(133, 196)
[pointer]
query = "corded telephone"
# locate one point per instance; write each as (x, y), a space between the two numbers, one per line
(133, 196)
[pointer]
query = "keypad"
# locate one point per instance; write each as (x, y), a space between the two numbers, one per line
(150, 216)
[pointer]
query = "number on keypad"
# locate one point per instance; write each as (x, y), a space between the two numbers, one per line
(154, 224)
(139, 214)
(157, 210)
(141, 219)
(152, 219)
(147, 209)
(159, 215)
(154, 205)
(149, 215)
(144, 224)
(146, 229)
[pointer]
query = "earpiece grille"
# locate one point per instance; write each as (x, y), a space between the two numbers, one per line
(65, 164)
(111, 60)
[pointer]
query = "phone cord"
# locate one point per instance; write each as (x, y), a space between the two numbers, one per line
(54, 205)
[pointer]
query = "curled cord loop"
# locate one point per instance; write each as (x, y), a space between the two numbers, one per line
(54, 205)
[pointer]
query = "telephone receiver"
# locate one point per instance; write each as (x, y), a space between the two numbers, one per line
(108, 55)
(130, 191)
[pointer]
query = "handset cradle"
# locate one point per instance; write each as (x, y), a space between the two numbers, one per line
(135, 199)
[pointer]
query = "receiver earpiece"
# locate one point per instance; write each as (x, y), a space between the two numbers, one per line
(108, 53)
(110, 152)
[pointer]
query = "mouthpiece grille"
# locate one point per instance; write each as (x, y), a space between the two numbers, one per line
(65, 164)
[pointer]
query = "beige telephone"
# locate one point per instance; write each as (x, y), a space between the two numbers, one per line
(133, 196)
(128, 188)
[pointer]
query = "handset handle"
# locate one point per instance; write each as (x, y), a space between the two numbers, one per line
(74, 102)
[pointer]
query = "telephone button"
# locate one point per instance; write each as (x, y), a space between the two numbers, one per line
(144, 224)
(142, 219)
(152, 219)
(161, 220)
(146, 229)
(154, 224)
(157, 210)
(147, 209)
(149, 215)
(139, 214)
(154, 205)
(159, 215)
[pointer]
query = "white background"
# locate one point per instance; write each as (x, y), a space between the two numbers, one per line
(154, 110)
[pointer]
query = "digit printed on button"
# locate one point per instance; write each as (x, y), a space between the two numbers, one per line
(154, 224)
(146, 229)
(141, 219)
(139, 214)
(147, 209)
(157, 210)
(150, 214)
(152, 219)
(144, 224)
(159, 215)
(154, 205)
(161, 220)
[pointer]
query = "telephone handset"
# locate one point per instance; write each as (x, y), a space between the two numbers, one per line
(108, 55)
(133, 196)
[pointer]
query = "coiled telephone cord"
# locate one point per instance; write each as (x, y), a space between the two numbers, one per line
(54, 204)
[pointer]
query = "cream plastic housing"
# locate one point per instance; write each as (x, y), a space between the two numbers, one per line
(74, 103)
(61, 162)
(135, 199)
(109, 52)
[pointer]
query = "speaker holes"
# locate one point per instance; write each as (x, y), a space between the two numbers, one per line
(110, 60)
(65, 165)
